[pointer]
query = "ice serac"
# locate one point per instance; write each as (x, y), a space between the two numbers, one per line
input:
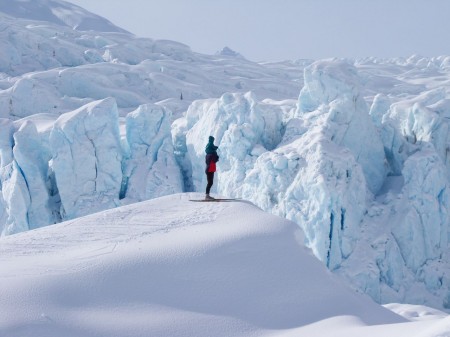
(407, 226)
(422, 232)
(14, 193)
(415, 121)
(314, 177)
(319, 186)
(404, 242)
(151, 169)
(32, 158)
(334, 87)
(87, 158)
(23, 172)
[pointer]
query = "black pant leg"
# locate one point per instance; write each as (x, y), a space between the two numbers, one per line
(210, 179)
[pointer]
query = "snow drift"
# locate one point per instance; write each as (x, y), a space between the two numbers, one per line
(170, 267)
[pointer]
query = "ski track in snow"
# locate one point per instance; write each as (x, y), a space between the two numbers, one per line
(83, 244)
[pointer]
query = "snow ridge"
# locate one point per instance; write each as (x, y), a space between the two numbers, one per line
(170, 267)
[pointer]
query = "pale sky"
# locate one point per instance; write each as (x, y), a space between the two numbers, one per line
(288, 29)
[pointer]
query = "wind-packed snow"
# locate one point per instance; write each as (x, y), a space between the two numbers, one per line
(170, 267)
(355, 152)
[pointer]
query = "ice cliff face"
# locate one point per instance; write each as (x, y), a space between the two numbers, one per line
(150, 168)
(86, 159)
(333, 88)
(80, 164)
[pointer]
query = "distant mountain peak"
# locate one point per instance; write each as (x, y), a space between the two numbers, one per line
(58, 12)
(227, 51)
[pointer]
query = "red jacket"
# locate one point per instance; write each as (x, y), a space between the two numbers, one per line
(211, 159)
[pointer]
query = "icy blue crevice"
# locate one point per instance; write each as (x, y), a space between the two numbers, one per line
(123, 187)
(185, 165)
(96, 162)
(442, 202)
(126, 154)
(157, 145)
(55, 206)
(342, 218)
(330, 237)
(28, 190)
(440, 194)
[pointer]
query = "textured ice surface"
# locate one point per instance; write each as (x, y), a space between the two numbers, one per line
(87, 159)
(150, 169)
(32, 157)
(55, 169)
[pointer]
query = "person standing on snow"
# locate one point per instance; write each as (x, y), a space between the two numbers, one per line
(211, 159)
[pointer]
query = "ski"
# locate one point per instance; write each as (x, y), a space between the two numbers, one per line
(213, 200)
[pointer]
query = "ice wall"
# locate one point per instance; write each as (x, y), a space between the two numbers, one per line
(25, 200)
(316, 184)
(87, 159)
(334, 88)
(79, 163)
(150, 169)
(32, 157)
(15, 197)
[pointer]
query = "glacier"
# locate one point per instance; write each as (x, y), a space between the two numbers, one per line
(368, 184)
(355, 152)
(80, 163)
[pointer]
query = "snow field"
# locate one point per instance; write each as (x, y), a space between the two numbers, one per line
(170, 267)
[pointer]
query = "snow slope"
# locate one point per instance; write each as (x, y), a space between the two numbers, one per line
(170, 267)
